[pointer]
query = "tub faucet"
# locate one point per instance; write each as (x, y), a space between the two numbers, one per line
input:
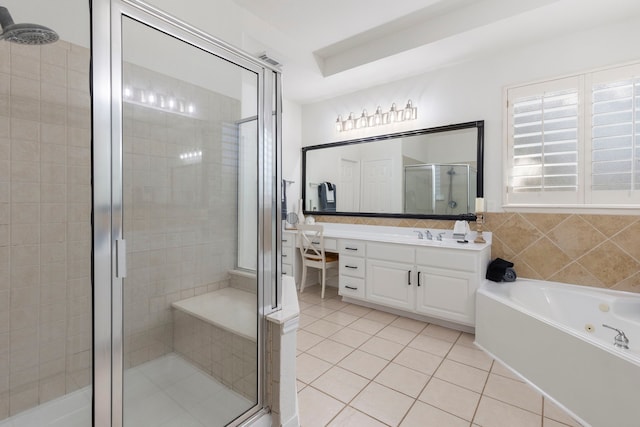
(440, 235)
(621, 340)
(429, 235)
(420, 235)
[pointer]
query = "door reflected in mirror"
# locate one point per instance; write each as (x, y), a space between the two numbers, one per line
(428, 173)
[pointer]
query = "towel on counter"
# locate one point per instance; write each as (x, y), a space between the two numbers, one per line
(460, 229)
(499, 270)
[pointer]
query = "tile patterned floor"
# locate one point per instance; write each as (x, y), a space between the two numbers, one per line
(358, 367)
(165, 392)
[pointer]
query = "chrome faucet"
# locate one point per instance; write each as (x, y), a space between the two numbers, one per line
(621, 340)
(440, 235)
(429, 235)
(420, 235)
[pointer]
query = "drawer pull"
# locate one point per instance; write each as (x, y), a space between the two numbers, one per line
(284, 240)
(351, 266)
(409, 278)
(350, 287)
(316, 243)
(351, 249)
(419, 278)
(284, 256)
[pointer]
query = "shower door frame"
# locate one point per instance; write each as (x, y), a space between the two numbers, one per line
(109, 269)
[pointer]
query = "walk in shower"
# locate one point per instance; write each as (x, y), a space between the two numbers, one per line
(45, 217)
(130, 182)
(445, 189)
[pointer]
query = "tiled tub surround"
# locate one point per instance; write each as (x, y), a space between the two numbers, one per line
(512, 321)
(590, 250)
(45, 228)
(179, 215)
(217, 332)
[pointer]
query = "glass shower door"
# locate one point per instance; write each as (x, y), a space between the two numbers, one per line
(190, 315)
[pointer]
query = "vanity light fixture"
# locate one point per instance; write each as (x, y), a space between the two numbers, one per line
(158, 101)
(191, 156)
(378, 118)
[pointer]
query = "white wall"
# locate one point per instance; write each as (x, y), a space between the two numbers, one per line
(474, 91)
(291, 155)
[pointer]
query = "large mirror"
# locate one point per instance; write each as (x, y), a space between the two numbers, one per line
(428, 173)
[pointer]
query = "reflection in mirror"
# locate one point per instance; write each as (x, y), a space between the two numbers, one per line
(429, 173)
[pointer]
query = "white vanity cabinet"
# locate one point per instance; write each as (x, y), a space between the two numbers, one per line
(389, 267)
(432, 281)
(390, 271)
(289, 252)
(446, 283)
(352, 268)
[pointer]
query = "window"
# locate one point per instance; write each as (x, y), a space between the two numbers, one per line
(575, 141)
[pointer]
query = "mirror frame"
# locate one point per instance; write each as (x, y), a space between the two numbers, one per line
(479, 125)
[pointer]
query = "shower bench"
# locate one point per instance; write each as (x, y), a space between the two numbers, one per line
(217, 332)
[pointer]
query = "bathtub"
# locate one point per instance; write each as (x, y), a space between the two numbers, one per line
(551, 335)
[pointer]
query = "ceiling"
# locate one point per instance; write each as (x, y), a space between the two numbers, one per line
(332, 47)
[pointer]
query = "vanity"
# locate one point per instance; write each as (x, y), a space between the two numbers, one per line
(434, 173)
(392, 269)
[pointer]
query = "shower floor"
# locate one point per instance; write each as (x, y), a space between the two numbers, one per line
(165, 392)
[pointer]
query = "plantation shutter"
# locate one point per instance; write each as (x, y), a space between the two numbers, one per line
(544, 125)
(615, 136)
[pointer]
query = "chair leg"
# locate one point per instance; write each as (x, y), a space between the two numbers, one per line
(324, 273)
(304, 277)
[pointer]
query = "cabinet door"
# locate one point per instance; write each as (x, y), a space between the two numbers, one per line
(390, 283)
(446, 294)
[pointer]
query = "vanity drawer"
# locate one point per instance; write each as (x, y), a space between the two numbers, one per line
(352, 266)
(287, 269)
(330, 244)
(288, 240)
(448, 259)
(287, 254)
(391, 252)
(351, 287)
(352, 247)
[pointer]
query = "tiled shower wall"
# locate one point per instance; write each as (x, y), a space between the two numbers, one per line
(590, 250)
(179, 215)
(45, 223)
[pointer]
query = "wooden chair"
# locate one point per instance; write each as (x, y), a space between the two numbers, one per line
(311, 240)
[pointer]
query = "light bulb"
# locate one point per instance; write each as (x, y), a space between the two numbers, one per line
(349, 122)
(409, 111)
(377, 117)
(393, 113)
(364, 120)
(339, 124)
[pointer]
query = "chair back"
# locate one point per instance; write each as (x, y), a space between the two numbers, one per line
(311, 242)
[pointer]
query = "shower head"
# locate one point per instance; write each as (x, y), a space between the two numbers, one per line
(32, 34)
(451, 171)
